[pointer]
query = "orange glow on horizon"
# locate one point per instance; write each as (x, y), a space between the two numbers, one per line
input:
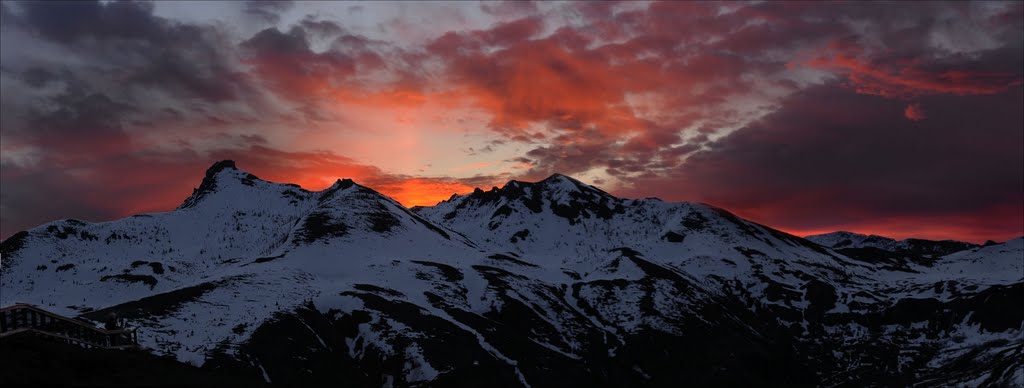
(423, 192)
(407, 191)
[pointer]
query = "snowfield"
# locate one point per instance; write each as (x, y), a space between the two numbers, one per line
(531, 284)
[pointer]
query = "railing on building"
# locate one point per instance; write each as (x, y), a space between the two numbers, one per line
(23, 318)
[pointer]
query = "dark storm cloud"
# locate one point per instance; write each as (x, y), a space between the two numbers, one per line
(855, 157)
(272, 41)
(286, 63)
(87, 113)
(82, 125)
(321, 28)
(268, 10)
(132, 45)
(67, 21)
(140, 48)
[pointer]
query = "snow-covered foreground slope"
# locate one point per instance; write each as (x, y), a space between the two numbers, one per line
(533, 284)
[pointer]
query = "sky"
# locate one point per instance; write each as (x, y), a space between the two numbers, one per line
(901, 119)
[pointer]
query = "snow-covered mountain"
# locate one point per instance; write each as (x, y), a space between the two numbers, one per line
(895, 254)
(842, 240)
(532, 284)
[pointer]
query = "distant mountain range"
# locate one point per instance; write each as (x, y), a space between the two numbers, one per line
(550, 283)
(845, 240)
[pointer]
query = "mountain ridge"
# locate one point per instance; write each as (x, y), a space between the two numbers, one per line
(208, 184)
(550, 282)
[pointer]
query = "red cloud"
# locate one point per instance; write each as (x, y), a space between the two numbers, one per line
(907, 80)
(914, 112)
(538, 82)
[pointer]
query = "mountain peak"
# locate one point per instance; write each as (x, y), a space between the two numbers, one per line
(844, 239)
(339, 185)
(564, 196)
(554, 268)
(342, 184)
(221, 165)
(557, 177)
(210, 181)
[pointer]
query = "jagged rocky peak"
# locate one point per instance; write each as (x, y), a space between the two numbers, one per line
(557, 187)
(221, 165)
(215, 178)
(561, 195)
(227, 168)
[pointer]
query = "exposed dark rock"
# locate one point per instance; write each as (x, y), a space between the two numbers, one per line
(382, 220)
(249, 180)
(10, 246)
(132, 278)
(695, 221)
(61, 232)
(450, 273)
(750, 253)
(158, 305)
(520, 235)
(379, 290)
(320, 225)
(822, 297)
(266, 259)
(671, 236)
(510, 259)
(504, 210)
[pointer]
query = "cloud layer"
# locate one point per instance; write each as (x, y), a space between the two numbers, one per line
(899, 118)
